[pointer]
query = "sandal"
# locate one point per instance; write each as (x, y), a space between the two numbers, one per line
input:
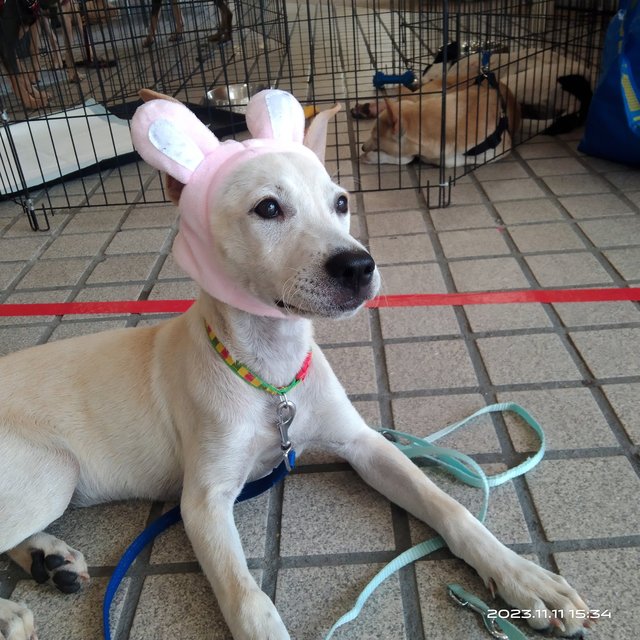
(220, 36)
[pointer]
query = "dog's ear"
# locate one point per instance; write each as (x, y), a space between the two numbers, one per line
(171, 138)
(173, 188)
(275, 115)
(392, 114)
(316, 136)
(147, 95)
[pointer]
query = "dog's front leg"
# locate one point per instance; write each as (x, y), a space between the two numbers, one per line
(521, 583)
(207, 511)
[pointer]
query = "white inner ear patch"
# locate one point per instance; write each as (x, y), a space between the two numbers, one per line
(175, 144)
(282, 112)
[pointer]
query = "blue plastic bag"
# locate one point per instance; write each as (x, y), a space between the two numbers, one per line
(612, 129)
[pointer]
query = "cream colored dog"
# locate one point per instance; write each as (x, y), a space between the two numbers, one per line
(480, 121)
(546, 91)
(155, 413)
(546, 84)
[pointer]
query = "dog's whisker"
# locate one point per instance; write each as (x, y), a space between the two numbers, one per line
(289, 288)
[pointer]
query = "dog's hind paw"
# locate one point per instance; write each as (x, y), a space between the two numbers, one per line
(47, 558)
(16, 622)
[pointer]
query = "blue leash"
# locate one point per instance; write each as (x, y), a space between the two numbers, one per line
(250, 490)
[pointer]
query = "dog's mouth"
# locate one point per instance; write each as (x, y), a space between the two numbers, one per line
(291, 308)
(327, 311)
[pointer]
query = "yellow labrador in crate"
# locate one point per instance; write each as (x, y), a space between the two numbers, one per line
(480, 117)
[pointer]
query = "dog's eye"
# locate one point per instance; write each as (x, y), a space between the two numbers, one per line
(342, 204)
(268, 209)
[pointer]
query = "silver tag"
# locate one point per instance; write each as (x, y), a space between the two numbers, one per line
(285, 413)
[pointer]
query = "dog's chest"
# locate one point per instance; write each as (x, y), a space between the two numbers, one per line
(277, 431)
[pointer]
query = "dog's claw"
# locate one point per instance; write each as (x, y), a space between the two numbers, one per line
(493, 587)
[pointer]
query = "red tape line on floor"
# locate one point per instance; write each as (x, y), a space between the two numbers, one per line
(410, 300)
(508, 297)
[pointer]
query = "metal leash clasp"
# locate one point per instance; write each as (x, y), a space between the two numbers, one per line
(491, 625)
(285, 413)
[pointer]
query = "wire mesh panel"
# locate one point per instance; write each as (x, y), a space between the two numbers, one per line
(430, 90)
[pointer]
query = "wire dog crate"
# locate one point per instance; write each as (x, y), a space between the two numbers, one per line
(91, 59)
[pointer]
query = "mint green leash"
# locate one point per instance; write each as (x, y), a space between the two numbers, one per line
(468, 471)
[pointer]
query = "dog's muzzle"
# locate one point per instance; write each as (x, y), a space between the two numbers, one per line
(353, 271)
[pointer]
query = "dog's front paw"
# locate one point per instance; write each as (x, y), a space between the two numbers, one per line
(258, 619)
(369, 157)
(16, 622)
(546, 600)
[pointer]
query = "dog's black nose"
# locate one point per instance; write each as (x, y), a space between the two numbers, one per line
(352, 269)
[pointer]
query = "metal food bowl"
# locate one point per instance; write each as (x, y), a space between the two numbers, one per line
(233, 97)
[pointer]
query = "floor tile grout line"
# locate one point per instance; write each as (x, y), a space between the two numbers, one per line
(384, 556)
(479, 335)
(272, 560)
(409, 592)
(134, 588)
(350, 558)
(330, 346)
(162, 256)
(10, 578)
(497, 388)
(593, 250)
(486, 457)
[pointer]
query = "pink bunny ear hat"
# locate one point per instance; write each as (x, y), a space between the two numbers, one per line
(171, 138)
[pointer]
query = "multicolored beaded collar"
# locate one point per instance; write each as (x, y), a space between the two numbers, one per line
(247, 375)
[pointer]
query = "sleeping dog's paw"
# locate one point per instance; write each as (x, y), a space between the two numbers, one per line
(46, 558)
(546, 600)
(16, 622)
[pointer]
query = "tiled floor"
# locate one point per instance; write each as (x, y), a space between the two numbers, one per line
(545, 217)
